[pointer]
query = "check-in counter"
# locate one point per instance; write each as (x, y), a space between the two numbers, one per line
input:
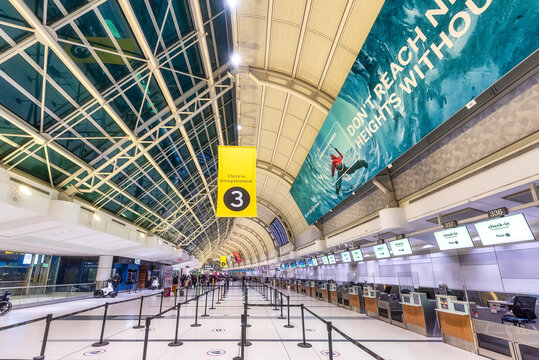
(356, 299)
(312, 289)
(419, 314)
(390, 309)
(291, 285)
(455, 322)
(324, 291)
(500, 341)
(370, 296)
(332, 293)
(344, 301)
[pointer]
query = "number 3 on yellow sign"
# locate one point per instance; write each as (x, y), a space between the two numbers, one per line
(236, 189)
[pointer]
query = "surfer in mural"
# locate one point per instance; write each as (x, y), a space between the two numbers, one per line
(337, 164)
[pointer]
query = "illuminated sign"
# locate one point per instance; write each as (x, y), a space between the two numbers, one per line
(357, 255)
(456, 238)
(381, 251)
(400, 247)
(503, 230)
(346, 257)
(331, 259)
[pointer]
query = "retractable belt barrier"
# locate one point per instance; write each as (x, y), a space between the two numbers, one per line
(329, 326)
(222, 289)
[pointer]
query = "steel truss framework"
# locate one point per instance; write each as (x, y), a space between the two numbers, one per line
(122, 109)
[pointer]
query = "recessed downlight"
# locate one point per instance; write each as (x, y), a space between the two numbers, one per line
(24, 190)
(97, 217)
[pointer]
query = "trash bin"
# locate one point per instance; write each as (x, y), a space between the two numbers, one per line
(166, 292)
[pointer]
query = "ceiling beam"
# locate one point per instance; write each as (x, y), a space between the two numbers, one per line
(153, 64)
(317, 98)
(206, 62)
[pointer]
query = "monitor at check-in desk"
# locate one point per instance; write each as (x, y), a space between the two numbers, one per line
(449, 303)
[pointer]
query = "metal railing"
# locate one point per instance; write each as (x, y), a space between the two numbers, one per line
(21, 295)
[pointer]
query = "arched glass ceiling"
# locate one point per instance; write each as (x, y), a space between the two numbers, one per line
(119, 110)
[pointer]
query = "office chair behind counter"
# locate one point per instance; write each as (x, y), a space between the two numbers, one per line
(523, 311)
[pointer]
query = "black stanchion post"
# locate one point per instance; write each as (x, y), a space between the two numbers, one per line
(186, 292)
(205, 306)
(176, 342)
(146, 336)
(48, 321)
(281, 316)
(101, 342)
(196, 324)
(176, 297)
(212, 297)
(218, 294)
(160, 306)
(288, 326)
(275, 299)
(330, 340)
(139, 326)
(303, 344)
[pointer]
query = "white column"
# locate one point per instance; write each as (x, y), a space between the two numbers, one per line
(104, 268)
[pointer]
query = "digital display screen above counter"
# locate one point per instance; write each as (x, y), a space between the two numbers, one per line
(357, 255)
(345, 256)
(455, 238)
(400, 247)
(301, 263)
(310, 262)
(331, 259)
(381, 251)
(325, 260)
(315, 262)
(503, 230)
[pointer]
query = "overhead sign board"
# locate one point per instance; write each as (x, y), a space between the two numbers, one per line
(236, 187)
(357, 255)
(315, 262)
(503, 230)
(331, 259)
(421, 63)
(400, 247)
(325, 260)
(345, 256)
(456, 238)
(381, 251)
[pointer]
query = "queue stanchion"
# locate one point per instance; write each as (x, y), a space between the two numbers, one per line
(205, 306)
(288, 326)
(212, 298)
(281, 316)
(48, 321)
(160, 306)
(186, 292)
(146, 336)
(101, 342)
(176, 342)
(303, 344)
(330, 340)
(139, 326)
(176, 297)
(196, 324)
(275, 299)
(218, 294)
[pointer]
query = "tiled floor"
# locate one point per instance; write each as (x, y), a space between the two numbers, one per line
(217, 338)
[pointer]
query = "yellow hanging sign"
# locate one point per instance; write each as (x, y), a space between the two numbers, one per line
(223, 261)
(236, 189)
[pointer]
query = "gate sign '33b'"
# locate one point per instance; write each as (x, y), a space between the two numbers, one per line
(236, 190)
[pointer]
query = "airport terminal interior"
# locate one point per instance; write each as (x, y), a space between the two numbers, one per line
(269, 179)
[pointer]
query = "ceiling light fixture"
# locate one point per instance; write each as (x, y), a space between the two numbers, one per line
(232, 3)
(428, 246)
(96, 217)
(239, 127)
(25, 190)
(235, 59)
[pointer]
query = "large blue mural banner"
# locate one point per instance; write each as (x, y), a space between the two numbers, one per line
(422, 62)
